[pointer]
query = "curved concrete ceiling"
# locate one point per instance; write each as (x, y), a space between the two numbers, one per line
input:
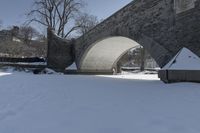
(102, 55)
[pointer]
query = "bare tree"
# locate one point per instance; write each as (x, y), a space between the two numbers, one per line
(86, 23)
(27, 33)
(56, 14)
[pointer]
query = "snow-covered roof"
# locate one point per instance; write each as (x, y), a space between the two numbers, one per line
(184, 60)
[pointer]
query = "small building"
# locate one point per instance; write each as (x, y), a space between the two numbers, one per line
(10, 35)
(184, 67)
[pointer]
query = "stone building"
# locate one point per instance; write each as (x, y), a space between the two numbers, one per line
(9, 35)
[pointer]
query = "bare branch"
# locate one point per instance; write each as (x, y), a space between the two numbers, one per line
(71, 30)
(38, 21)
(56, 14)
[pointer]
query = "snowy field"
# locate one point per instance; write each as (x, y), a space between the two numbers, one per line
(97, 104)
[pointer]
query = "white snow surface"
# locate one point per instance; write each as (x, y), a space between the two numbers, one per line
(136, 76)
(184, 60)
(93, 104)
(73, 67)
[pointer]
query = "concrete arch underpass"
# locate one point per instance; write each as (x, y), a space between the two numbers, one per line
(103, 55)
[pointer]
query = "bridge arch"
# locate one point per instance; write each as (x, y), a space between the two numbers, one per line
(103, 55)
(158, 25)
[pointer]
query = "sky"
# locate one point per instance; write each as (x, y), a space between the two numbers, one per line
(12, 12)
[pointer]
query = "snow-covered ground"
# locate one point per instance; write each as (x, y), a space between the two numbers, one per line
(96, 104)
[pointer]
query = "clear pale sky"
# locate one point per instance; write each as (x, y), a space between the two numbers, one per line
(12, 11)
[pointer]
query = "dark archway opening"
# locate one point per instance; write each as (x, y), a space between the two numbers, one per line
(137, 59)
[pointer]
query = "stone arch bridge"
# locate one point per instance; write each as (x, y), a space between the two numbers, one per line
(162, 27)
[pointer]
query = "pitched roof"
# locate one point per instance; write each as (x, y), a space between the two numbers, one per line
(184, 60)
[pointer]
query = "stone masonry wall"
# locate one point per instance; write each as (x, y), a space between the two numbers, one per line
(60, 52)
(163, 27)
(188, 28)
(149, 22)
(155, 24)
